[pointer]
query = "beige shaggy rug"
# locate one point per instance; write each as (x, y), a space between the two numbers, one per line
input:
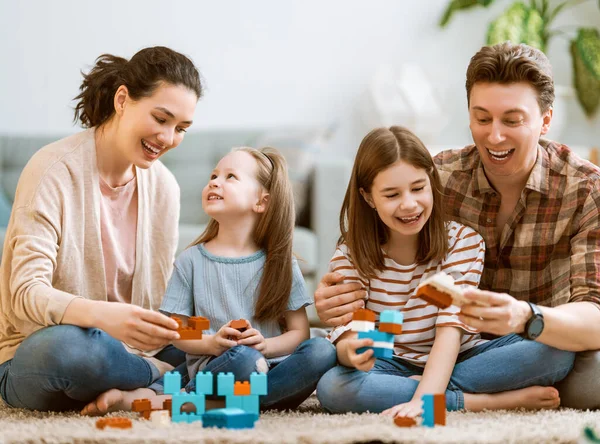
(307, 425)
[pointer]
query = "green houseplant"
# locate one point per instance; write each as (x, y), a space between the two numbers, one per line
(531, 23)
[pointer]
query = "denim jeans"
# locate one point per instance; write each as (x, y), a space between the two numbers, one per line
(289, 382)
(502, 364)
(65, 367)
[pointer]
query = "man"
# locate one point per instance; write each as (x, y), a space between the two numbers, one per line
(537, 206)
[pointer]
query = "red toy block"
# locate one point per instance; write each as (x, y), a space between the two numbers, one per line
(362, 314)
(439, 409)
(388, 327)
(403, 421)
(198, 323)
(140, 405)
(241, 388)
(432, 295)
(116, 422)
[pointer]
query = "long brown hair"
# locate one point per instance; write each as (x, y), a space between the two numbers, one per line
(273, 233)
(362, 229)
(507, 63)
(141, 75)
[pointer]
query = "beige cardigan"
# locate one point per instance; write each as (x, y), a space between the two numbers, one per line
(53, 250)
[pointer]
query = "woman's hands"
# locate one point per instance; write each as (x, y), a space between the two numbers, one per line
(136, 326)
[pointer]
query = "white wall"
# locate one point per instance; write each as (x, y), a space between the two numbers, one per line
(265, 62)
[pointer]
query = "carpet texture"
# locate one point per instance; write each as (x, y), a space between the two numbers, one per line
(307, 425)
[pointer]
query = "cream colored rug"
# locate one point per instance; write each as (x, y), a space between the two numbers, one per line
(307, 425)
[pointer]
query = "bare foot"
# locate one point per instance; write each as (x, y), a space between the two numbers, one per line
(532, 398)
(114, 399)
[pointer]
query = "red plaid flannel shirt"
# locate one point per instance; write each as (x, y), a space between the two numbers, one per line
(549, 250)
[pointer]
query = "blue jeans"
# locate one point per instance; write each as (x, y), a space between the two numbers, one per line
(289, 382)
(502, 364)
(65, 367)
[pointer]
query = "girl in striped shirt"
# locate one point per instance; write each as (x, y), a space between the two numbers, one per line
(394, 236)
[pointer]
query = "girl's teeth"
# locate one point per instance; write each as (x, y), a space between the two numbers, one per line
(148, 147)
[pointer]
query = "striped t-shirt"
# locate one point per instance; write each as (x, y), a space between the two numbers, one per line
(396, 285)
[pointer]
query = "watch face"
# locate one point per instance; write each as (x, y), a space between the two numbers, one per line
(535, 328)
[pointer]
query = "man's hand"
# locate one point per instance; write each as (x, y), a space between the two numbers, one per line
(503, 316)
(335, 302)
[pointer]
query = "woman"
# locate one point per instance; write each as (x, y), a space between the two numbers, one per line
(92, 237)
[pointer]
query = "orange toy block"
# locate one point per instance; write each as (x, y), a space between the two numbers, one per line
(167, 405)
(189, 333)
(178, 320)
(198, 323)
(362, 314)
(432, 295)
(439, 409)
(388, 327)
(241, 388)
(141, 405)
(116, 422)
(403, 421)
(240, 324)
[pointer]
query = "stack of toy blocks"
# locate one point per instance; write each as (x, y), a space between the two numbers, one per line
(193, 330)
(390, 324)
(204, 386)
(434, 410)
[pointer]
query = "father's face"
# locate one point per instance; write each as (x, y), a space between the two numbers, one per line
(506, 123)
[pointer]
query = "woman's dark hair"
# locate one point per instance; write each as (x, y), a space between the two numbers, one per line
(141, 75)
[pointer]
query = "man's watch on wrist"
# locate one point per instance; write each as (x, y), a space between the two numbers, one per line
(535, 324)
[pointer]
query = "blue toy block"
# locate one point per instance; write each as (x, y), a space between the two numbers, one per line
(186, 417)
(230, 418)
(250, 404)
(225, 384)
(428, 411)
(204, 383)
(183, 398)
(391, 317)
(379, 352)
(258, 383)
(376, 336)
(233, 401)
(172, 383)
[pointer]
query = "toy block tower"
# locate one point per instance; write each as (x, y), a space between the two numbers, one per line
(390, 324)
(434, 410)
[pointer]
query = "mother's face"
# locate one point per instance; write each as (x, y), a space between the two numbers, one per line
(149, 127)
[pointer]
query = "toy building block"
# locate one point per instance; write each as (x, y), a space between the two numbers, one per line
(434, 410)
(172, 383)
(225, 384)
(186, 418)
(116, 422)
(403, 421)
(241, 388)
(240, 324)
(383, 343)
(160, 417)
(168, 405)
(142, 406)
(230, 418)
(362, 326)
(233, 401)
(258, 383)
(204, 383)
(251, 404)
(199, 323)
(390, 321)
(441, 291)
(363, 320)
(182, 398)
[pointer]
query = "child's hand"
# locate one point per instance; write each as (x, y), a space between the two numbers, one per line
(253, 338)
(360, 361)
(410, 409)
(221, 339)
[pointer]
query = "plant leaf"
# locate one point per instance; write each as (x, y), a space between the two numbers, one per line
(519, 24)
(457, 5)
(585, 82)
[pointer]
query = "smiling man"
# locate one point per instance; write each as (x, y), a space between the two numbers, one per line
(537, 206)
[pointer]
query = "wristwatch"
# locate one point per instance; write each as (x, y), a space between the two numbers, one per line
(535, 325)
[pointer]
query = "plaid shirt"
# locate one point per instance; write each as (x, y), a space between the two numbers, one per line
(549, 250)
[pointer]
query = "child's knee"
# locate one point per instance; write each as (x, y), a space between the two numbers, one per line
(252, 359)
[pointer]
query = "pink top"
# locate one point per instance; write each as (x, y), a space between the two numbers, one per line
(118, 222)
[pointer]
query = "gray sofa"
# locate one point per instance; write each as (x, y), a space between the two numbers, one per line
(318, 179)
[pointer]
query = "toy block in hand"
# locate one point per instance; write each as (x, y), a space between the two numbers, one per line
(240, 324)
(116, 422)
(199, 323)
(390, 321)
(363, 320)
(194, 328)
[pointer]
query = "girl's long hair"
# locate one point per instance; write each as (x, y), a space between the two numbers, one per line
(362, 230)
(273, 233)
